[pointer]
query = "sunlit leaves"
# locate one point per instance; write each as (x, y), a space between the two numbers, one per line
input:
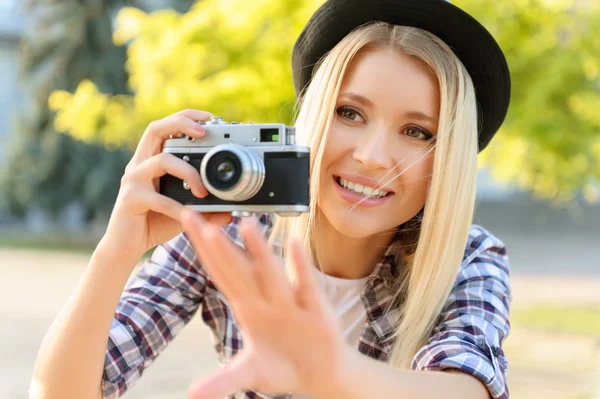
(232, 58)
(553, 50)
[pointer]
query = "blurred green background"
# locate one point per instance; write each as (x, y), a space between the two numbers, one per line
(82, 78)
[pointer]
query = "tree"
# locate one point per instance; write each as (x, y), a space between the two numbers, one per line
(232, 58)
(227, 57)
(65, 42)
(550, 142)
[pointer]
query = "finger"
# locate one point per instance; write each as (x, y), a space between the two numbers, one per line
(195, 114)
(218, 218)
(236, 375)
(173, 209)
(269, 271)
(161, 204)
(308, 292)
(164, 163)
(223, 260)
(157, 131)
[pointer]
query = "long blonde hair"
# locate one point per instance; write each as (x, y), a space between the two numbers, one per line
(432, 263)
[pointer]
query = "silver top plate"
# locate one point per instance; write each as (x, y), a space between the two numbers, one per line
(245, 134)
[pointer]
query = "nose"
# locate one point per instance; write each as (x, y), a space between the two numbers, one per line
(373, 150)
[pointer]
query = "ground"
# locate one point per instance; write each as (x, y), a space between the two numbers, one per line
(36, 283)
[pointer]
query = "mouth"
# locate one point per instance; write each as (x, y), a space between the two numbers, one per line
(361, 190)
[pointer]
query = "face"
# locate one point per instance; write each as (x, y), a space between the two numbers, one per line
(386, 113)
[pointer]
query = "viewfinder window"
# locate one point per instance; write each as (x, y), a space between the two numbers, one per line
(269, 135)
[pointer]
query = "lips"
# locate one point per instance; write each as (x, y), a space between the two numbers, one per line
(359, 199)
(364, 181)
(365, 190)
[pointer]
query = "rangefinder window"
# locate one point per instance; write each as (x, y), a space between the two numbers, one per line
(269, 135)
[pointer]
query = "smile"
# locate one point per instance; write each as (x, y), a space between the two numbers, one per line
(361, 194)
(361, 189)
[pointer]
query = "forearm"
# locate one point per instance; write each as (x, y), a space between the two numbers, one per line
(70, 361)
(368, 378)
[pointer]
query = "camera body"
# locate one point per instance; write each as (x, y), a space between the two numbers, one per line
(246, 168)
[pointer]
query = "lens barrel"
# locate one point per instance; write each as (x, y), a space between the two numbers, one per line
(232, 172)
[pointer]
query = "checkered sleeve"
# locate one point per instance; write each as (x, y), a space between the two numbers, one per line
(156, 304)
(474, 321)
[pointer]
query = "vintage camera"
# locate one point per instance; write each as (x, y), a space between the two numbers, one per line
(246, 167)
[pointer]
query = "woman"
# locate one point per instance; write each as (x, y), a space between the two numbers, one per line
(397, 98)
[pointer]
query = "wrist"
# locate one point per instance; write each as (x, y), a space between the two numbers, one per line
(346, 383)
(111, 251)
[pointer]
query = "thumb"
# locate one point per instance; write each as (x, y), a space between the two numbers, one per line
(221, 218)
(235, 376)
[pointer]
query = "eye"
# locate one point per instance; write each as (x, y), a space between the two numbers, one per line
(348, 113)
(416, 132)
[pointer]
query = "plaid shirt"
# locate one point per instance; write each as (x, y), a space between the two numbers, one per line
(170, 287)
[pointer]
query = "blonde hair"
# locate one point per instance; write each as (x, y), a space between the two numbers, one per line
(433, 258)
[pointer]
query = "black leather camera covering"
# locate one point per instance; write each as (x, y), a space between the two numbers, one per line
(286, 175)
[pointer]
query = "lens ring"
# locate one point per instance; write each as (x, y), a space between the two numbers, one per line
(250, 172)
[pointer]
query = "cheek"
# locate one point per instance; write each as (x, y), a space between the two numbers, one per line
(337, 147)
(417, 181)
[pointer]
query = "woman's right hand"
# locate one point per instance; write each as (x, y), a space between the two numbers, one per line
(142, 218)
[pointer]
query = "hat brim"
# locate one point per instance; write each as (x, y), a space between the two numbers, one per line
(470, 41)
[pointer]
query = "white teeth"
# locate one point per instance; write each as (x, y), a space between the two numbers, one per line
(359, 188)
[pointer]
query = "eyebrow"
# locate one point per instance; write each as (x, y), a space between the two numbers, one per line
(367, 103)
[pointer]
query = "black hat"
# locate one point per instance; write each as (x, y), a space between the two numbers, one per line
(469, 40)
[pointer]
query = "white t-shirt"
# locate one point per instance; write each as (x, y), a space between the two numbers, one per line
(345, 296)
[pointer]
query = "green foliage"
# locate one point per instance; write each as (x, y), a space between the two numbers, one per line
(232, 58)
(64, 42)
(227, 57)
(550, 142)
(49, 170)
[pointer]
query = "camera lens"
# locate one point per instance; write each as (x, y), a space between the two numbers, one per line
(223, 169)
(226, 171)
(232, 172)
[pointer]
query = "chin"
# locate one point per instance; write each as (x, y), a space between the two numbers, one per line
(357, 222)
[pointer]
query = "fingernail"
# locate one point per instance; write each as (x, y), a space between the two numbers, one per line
(199, 127)
(203, 192)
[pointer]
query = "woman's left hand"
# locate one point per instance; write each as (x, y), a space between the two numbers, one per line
(292, 340)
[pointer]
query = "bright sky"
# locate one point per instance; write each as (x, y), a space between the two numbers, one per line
(7, 4)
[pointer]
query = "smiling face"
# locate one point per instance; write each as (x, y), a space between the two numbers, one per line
(386, 112)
